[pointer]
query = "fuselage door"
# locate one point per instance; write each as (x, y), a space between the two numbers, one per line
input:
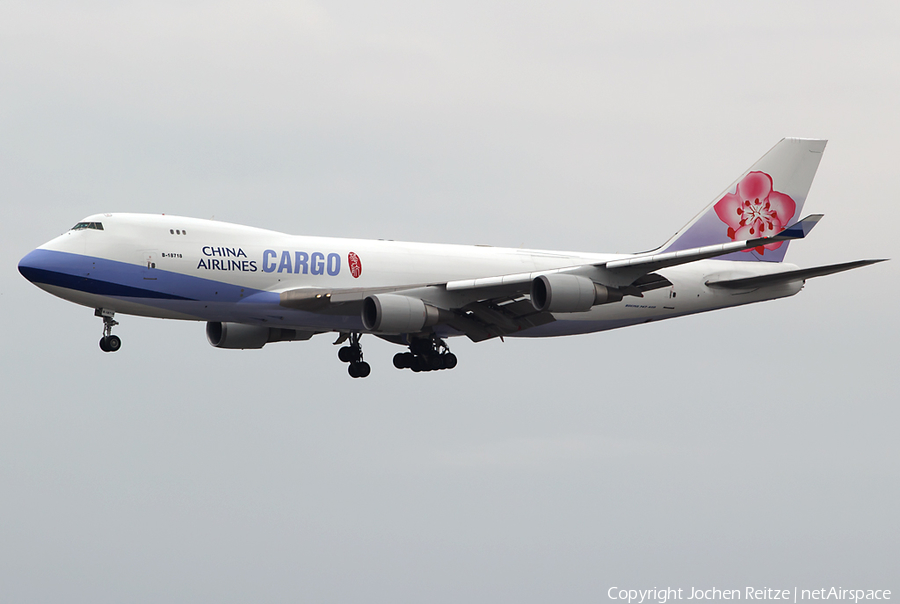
(149, 259)
(670, 299)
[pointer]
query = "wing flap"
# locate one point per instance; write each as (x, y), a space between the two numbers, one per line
(487, 319)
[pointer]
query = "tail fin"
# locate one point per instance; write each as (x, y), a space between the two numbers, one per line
(764, 200)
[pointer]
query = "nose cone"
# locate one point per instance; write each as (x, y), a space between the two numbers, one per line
(34, 266)
(50, 267)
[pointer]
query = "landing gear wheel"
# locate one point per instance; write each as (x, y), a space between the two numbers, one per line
(113, 343)
(109, 342)
(418, 364)
(359, 370)
(426, 354)
(403, 360)
(353, 355)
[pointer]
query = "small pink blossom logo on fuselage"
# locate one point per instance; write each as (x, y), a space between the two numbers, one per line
(355, 265)
(755, 210)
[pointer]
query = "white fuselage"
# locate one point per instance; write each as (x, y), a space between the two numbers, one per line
(187, 268)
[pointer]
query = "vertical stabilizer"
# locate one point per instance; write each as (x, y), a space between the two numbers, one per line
(764, 200)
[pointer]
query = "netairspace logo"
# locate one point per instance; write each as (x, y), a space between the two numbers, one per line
(661, 596)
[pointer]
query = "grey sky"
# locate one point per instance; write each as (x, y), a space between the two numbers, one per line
(754, 446)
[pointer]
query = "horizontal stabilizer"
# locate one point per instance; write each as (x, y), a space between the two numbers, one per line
(652, 262)
(800, 229)
(787, 276)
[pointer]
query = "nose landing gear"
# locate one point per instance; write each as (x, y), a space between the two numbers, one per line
(353, 355)
(426, 354)
(109, 342)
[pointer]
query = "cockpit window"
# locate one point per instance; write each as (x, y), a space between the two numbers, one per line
(98, 226)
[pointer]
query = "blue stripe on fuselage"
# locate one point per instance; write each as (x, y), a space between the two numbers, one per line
(122, 279)
(92, 286)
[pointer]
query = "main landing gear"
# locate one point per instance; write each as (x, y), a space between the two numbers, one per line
(353, 354)
(426, 354)
(109, 342)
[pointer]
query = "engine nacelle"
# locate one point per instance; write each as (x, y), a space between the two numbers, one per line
(238, 335)
(395, 314)
(569, 293)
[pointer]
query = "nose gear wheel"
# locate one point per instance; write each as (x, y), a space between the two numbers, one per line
(109, 342)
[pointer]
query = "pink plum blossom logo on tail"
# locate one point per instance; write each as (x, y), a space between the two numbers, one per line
(754, 210)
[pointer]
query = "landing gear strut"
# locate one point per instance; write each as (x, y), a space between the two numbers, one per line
(109, 342)
(353, 354)
(426, 354)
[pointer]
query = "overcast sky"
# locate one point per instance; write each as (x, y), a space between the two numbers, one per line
(749, 447)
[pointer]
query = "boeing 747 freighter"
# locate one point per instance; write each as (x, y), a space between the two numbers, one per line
(253, 286)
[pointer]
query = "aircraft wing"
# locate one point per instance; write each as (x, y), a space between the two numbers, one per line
(479, 308)
(480, 313)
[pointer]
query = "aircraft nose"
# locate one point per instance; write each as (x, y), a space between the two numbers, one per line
(32, 265)
(54, 267)
(45, 266)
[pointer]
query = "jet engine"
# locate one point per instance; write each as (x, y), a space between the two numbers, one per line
(392, 313)
(569, 293)
(238, 335)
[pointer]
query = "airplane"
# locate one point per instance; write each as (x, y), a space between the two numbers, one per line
(254, 286)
